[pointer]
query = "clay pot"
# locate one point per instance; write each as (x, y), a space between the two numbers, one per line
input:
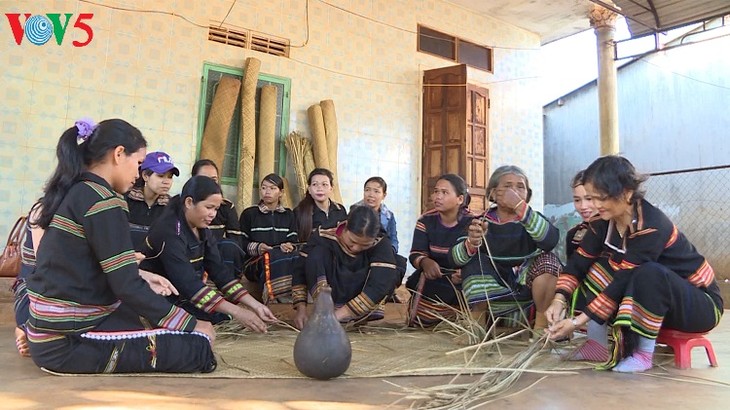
(322, 349)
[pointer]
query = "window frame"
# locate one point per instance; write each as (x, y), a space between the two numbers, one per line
(457, 40)
(285, 113)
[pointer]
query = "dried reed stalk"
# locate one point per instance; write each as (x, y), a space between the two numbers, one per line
(492, 384)
(287, 199)
(297, 146)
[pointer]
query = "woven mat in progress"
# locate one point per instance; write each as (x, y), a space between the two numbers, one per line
(376, 352)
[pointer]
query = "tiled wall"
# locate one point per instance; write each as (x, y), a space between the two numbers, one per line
(146, 68)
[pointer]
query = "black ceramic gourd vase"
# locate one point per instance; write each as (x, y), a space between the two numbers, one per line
(322, 350)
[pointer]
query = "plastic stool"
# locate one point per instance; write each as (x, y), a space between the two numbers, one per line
(682, 344)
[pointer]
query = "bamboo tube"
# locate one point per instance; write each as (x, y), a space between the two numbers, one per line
(319, 141)
(247, 155)
(215, 135)
(266, 141)
(287, 199)
(331, 135)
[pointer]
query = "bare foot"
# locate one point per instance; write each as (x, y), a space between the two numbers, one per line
(21, 342)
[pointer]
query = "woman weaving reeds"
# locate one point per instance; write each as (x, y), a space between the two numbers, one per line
(355, 260)
(651, 275)
(514, 269)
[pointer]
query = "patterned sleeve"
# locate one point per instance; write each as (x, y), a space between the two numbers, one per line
(545, 234)
(419, 245)
(220, 273)
(381, 280)
(102, 224)
(461, 253)
(178, 269)
(580, 261)
(641, 246)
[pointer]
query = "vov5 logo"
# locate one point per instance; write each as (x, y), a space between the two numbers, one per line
(39, 29)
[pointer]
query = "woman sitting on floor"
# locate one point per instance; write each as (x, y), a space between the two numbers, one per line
(33, 235)
(515, 268)
(653, 276)
(317, 209)
(182, 249)
(225, 227)
(269, 234)
(374, 192)
(90, 311)
(147, 199)
(354, 260)
(436, 283)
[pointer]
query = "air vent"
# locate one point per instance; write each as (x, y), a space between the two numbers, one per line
(226, 36)
(251, 40)
(269, 45)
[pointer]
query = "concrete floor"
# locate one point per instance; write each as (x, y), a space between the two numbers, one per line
(24, 386)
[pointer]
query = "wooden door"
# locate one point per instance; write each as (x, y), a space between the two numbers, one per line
(455, 133)
(477, 145)
(444, 126)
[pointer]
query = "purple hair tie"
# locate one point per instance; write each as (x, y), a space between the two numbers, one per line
(86, 127)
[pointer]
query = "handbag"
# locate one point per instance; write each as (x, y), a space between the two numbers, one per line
(10, 258)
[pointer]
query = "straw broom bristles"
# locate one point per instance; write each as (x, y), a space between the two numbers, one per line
(298, 146)
(287, 200)
(309, 164)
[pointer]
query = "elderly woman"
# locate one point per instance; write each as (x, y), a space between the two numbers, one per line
(651, 276)
(516, 268)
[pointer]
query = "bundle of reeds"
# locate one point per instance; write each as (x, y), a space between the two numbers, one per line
(492, 384)
(298, 148)
(287, 198)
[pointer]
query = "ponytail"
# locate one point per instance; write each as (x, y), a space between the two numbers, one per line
(303, 213)
(80, 146)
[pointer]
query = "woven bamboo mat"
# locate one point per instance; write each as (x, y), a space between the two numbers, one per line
(376, 352)
(266, 138)
(247, 154)
(215, 135)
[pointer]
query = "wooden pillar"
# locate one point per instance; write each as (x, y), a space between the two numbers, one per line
(603, 22)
